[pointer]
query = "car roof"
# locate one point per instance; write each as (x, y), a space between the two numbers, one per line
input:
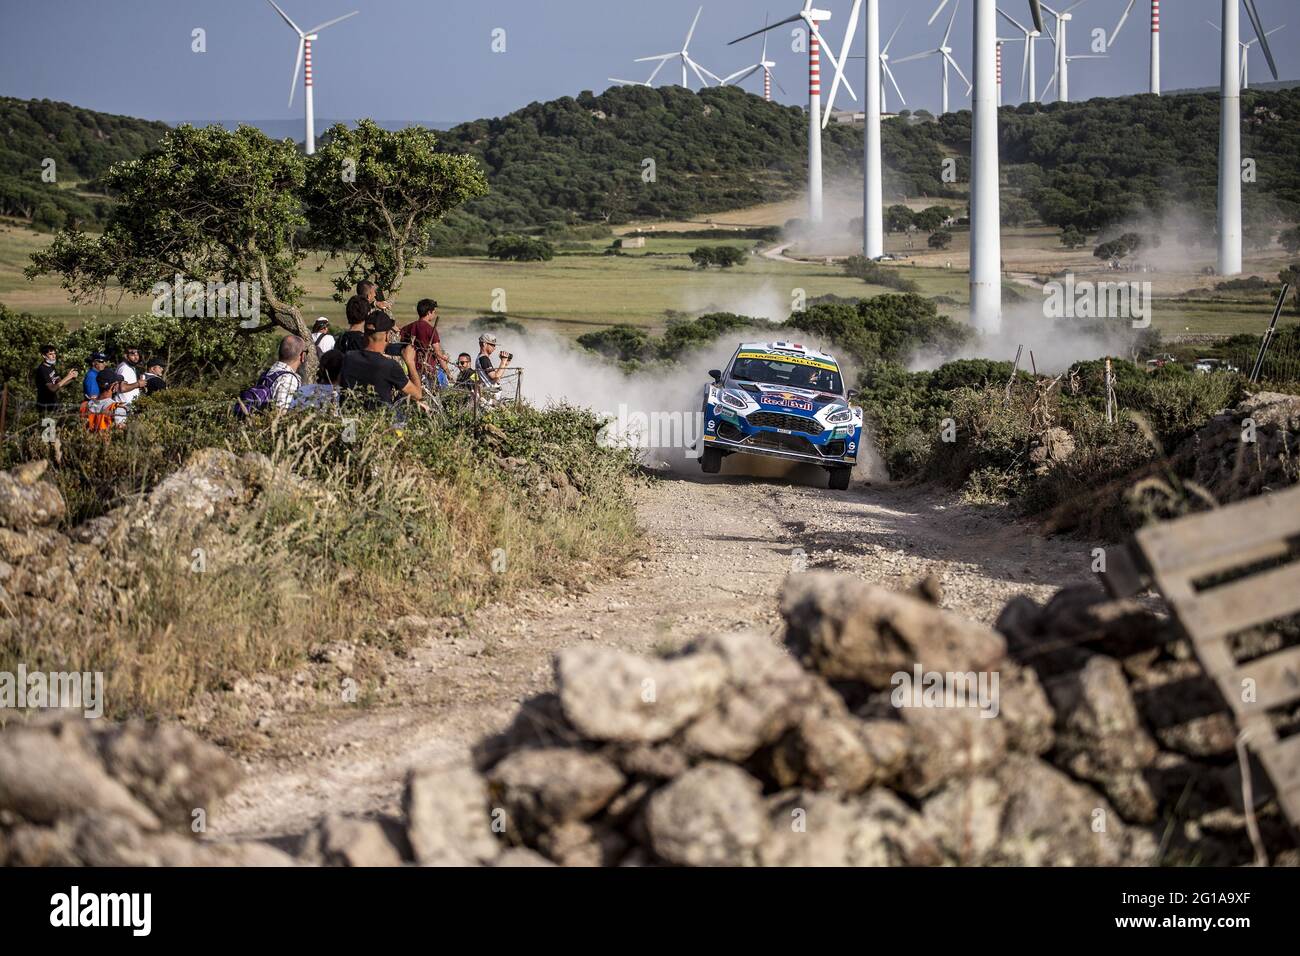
(789, 348)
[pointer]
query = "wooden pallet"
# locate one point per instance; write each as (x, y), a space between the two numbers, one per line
(1222, 572)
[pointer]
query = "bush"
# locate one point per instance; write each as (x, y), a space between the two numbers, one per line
(860, 267)
(722, 256)
(521, 249)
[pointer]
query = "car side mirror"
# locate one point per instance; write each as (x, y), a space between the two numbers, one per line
(716, 373)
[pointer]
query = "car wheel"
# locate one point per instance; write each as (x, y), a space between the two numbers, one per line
(711, 461)
(840, 478)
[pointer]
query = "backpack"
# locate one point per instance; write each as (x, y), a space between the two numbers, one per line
(257, 397)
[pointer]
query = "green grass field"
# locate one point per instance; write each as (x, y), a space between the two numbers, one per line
(580, 291)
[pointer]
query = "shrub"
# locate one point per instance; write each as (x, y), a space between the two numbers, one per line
(521, 249)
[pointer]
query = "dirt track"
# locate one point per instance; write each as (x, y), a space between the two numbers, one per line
(716, 553)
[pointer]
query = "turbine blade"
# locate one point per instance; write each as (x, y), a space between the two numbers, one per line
(696, 69)
(662, 64)
(914, 56)
(959, 72)
(1050, 83)
(285, 17)
(741, 75)
(1013, 21)
(1077, 3)
(850, 29)
(330, 23)
(651, 59)
(1036, 11)
(951, 20)
(895, 33)
(1024, 70)
(780, 23)
(1214, 25)
(890, 73)
(938, 10)
(694, 24)
(1119, 26)
(1258, 24)
(293, 81)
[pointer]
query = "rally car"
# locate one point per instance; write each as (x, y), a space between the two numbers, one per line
(782, 400)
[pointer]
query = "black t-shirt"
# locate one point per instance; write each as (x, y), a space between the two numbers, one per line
(484, 367)
(45, 379)
(375, 373)
(351, 341)
(155, 383)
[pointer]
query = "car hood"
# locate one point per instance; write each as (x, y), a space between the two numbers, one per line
(780, 398)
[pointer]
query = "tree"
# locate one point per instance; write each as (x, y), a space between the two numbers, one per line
(1073, 238)
(1290, 239)
(898, 218)
(374, 196)
(520, 249)
(941, 239)
(932, 218)
(205, 204)
(722, 256)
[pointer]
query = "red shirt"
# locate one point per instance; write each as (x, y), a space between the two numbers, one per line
(424, 337)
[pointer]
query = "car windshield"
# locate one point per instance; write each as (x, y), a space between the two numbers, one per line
(819, 375)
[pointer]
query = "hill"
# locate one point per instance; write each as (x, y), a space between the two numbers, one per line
(83, 145)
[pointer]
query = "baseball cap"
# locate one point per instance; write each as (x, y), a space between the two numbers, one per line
(379, 321)
(107, 379)
(99, 357)
(322, 321)
(487, 338)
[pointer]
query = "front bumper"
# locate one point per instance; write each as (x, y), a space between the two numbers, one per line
(836, 446)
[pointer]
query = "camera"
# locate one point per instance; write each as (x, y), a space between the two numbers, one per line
(507, 356)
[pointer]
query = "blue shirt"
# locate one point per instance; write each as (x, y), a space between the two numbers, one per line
(90, 384)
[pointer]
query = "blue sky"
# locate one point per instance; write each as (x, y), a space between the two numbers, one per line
(432, 59)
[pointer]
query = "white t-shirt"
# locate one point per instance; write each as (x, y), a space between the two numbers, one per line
(129, 377)
(325, 343)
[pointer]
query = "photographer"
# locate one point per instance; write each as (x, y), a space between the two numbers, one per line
(47, 380)
(487, 344)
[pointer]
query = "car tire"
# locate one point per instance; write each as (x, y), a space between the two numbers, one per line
(711, 461)
(840, 478)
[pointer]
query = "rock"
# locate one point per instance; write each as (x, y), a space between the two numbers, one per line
(580, 844)
(521, 856)
(1025, 711)
(27, 500)
(765, 690)
(1097, 721)
(875, 829)
(1027, 813)
(849, 630)
(539, 722)
(170, 770)
(839, 752)
(48, 773)
(351, 841)
(660, 761)
(713, 815)
(546, 787)
(1183, 707)
(609, 694)
(949, 742)
(447, 819)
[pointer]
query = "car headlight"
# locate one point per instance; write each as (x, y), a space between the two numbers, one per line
(732, 400)
(842, 417)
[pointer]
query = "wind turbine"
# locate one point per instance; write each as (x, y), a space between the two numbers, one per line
(1061, 74)
(1245, 52)
(763, 64)
(1029, 67)
(1155, 40)
(1230, 130)
(944, 52)
(816, 41)
(305, 39)
(685, 56)
(985, 193)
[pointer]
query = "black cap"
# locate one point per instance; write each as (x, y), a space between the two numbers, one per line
(379, 321)
(98, 357)
(155, 361)
(107, 379)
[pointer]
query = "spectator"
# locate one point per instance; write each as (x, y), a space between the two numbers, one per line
(358, 310)
(126, 370)
(106, 410)
(283, 375)
(465, 369)
(321, 336)
(154, 369)
(330, 367)
(372, 373)
(47, 381)
(487, 344)
(90, 384)
(423, 335)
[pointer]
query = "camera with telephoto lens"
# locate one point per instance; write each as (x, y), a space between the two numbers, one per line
(507, 357)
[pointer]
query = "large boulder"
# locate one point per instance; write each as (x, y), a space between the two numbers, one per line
(27, 500)
(447, 819)
(847, 629)
(543, 788)
(874, 829)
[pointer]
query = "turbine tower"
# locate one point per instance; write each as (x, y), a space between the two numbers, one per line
(1029, 66)
(944, 52)
(1155, 40)
(305, 40)
(1230, 130)
(684, 55)
(763, 64)
(816, 41)
(1061, 74)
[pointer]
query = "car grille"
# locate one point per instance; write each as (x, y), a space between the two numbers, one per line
(791, 423)
(782, 442)
(730, 432)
